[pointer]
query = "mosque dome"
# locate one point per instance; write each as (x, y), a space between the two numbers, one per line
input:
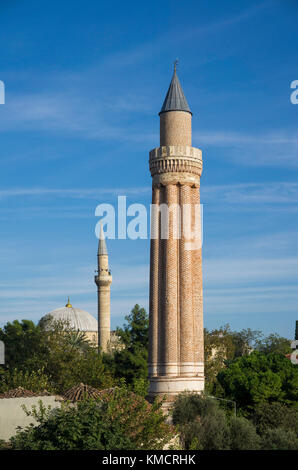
(77, 319)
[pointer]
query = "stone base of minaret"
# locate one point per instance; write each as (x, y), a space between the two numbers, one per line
(173, 386)
(169, 387)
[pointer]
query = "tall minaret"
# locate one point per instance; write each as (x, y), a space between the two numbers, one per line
(176, 350)
(103, 281)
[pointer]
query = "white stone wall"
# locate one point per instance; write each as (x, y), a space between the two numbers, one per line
(12, 415)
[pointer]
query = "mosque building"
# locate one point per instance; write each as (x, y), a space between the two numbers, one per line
(75, 319)
(98, 332)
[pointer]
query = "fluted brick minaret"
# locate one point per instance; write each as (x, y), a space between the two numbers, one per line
(176, 350)
(103, 281)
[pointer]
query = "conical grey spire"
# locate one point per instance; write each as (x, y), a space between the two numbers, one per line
(102, 247)
(175, 99)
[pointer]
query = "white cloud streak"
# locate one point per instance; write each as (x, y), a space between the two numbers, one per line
(278, 148)
(252, 193)
(71, 193)
(242, 193)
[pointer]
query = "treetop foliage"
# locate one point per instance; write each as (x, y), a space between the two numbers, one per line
(260, 377)
(131, 362)
(54, 358)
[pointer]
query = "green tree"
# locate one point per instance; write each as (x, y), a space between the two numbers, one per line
(260, 377)
(64, 356)
(274, 343)
(69, 362)
(218, 347)
(24, 345)
(245, 341)
(223, 345)
(135, 333)
(131, 362)
(120, 420)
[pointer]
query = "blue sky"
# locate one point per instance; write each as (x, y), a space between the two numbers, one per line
(84, 84)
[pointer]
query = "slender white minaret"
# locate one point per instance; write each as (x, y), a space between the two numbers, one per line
(103, 281)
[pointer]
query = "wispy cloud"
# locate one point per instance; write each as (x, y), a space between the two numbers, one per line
(262, 244)
(222, 138)
(34, 296)
(146, 51)
(74, 113)
(263, 192)
(73, 102)
(228, 22)
(252, 193)
(250, 271)
(268, 149)
(74, 193)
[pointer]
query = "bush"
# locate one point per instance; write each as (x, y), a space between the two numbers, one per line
(243, 435)
(140, 387)
(201, 423)
(35, 381)
(268, 416)
(210, 432)
(120, 420)
(214, 433)
(188, 407)
(204, 426)
(279, 439)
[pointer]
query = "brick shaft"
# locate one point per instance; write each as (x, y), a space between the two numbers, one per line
(154, 276)
(176, 304)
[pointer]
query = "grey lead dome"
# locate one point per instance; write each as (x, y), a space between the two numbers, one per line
(78, 319)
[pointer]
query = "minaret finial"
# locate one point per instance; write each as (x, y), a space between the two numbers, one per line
(175, 65)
